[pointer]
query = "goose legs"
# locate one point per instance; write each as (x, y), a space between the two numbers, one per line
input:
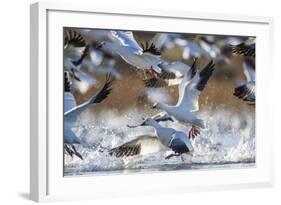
(152, 72)
(193, 132)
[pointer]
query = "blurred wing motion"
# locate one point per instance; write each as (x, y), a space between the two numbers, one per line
(74, 47)
(155, 82)
(246, 48)
(246, 91)
(74, 39)
(143, 144)
(84, 54)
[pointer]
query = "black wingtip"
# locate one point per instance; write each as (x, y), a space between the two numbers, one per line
(150, 48)
(205, 75)
(244, 50)
(193, 67)
(67, 82)
(74, 37)
(105, 91)
(83, 56)
(154, 83)
(243, 93)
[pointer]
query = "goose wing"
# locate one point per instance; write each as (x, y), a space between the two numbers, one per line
(143, 144)
(171, 74)
(173, 70)
(191, 91)
(246, 92)
(188, 75)
(127, 39)
(70, 137)
(74, 39)
(74, 45)
(247, 48)
(150, 49)
(99, 97)
(249, 71)
(181, 143)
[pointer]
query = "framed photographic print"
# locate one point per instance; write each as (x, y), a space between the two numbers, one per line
(147, 101)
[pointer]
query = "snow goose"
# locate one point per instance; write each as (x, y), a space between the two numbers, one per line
(165, 139)
(165, 41)
(145, 57)
(75, 49)
(70, 117)
(191, 49)
(174, 73)
(187, 105)
(246, 91)
(210, 45)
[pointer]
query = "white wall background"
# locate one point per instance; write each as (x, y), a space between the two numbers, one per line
(14, 103)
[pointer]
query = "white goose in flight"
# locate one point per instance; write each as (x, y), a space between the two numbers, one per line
(165, 139)
(189, 92)
(175, 73)
(145, 57)
(246, 91)
(75, 49)
(70, 116)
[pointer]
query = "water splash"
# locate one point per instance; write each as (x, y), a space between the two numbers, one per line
(228, 140)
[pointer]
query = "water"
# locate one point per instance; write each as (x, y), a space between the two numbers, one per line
(228, 142)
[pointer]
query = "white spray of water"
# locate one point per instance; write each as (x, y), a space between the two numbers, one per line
(228, 139)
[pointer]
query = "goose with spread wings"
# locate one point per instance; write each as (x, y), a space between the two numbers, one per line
(71, 116)
(166, 139)
(189, 92)
(175, 73)
(246, 91)
(145, 56)
(75, 50)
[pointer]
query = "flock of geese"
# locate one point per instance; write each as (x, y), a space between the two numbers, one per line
(99, 56)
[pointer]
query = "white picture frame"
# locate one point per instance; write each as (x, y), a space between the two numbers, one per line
(46, 178)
